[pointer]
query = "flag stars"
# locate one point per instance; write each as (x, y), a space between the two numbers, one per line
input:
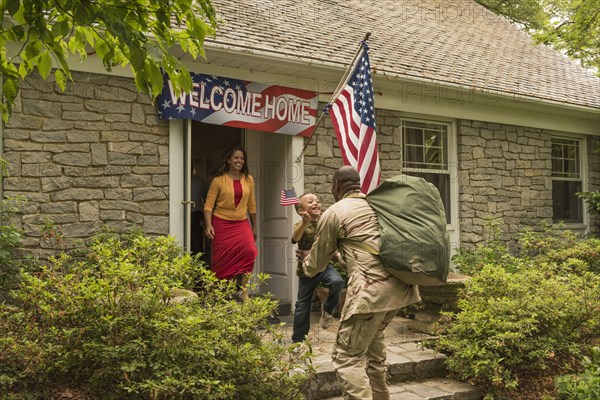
(181, 108)
(166, 104)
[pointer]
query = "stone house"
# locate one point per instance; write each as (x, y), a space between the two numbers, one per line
(505, 129)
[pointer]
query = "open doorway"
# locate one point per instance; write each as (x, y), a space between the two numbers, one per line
(208, 144)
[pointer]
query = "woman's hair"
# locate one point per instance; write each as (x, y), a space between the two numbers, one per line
(224, 167)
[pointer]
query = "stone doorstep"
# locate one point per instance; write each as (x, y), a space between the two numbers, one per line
(407, 362)
(431, 389)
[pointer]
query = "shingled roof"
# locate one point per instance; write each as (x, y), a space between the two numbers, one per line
(454, 42)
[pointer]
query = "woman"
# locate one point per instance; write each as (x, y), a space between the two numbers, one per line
(229, 202)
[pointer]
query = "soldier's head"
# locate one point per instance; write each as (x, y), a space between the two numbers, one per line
(345, 179)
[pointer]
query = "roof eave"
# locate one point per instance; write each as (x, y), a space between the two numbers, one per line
(335, 68)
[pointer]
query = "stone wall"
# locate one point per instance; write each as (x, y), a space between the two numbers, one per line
(95, 156)
(502, 172)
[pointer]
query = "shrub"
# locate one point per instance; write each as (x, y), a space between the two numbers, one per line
(525, 316)
(106, 323)
(584, 386)
(513, 324)
(593, 201)
(493, 250)
(10, 242)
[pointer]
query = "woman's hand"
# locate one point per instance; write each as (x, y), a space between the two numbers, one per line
(209, 231)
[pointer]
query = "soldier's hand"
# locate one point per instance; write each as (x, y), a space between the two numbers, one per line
(302, 254)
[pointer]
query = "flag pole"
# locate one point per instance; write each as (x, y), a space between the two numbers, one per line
(336, 93)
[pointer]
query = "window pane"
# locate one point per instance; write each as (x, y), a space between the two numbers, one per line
(565, 158)
(442, 182)
(425, 145)
(565, 205)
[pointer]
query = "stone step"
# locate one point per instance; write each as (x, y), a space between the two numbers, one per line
(431, 389)
(407, 362)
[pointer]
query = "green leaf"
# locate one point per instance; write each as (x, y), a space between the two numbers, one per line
(137, 58)
(156, 79)
(12, 6)
(10, 88)
(61, 80)
(19, 31)
(118, 28)
(61, 28)
(33, 49)
(44, 64)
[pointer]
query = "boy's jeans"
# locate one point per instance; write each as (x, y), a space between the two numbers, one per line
(329, 278)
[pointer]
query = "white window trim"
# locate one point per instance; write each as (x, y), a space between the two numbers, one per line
(584, 226)
(453, 226)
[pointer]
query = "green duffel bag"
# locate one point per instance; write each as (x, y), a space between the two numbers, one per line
(414, 243)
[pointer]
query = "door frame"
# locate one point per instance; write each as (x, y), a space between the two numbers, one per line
(180, 179)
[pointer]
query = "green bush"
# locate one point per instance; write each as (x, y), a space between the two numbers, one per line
(593, 201)
(525, 314)
(492, 251)
(105, 323)
(10, 242)
(584, 386)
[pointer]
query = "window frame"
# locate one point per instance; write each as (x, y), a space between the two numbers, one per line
(451, 170)
(583, 178)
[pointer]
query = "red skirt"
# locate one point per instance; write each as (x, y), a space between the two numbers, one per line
(233, 248)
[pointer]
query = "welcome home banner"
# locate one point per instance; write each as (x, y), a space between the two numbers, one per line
(241, 104)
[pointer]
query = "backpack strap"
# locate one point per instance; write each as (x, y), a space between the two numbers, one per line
(360, 245)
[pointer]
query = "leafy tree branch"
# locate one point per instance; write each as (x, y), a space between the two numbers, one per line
(569, 26)
(46, 34)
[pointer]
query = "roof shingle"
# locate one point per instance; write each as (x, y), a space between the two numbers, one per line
(456, 42)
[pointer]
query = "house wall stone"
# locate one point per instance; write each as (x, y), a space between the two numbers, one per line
(92, 157)
(97, 156)
(503, 172)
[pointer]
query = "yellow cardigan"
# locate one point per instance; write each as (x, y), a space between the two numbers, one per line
(220, 198)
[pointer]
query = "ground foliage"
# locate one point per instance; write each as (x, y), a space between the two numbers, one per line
(526, 316)
(585, 385)
(104, 323)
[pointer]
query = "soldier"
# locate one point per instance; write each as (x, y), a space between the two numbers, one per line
(374, 296)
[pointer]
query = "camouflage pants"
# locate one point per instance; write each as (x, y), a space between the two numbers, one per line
(359, 356)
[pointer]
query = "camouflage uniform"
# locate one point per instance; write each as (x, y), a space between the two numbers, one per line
(305, 242)
(373, 296)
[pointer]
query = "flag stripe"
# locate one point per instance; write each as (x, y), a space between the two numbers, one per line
(288, 197)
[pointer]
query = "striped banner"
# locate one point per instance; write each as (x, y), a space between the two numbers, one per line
(232, 102)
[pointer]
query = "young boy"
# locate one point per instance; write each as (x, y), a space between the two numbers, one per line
(304, 234)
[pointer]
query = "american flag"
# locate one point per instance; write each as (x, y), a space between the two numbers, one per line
(242, 104)
(353, 117)
(288, 197)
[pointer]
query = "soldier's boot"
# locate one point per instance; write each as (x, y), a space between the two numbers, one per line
(381, 396)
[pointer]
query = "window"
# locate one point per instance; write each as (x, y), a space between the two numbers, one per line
(425, 154)
(566, 181)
